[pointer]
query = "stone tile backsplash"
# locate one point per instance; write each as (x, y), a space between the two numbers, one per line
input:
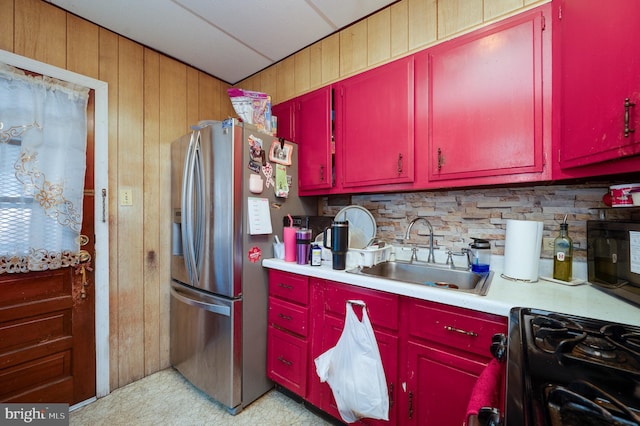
(458, 215)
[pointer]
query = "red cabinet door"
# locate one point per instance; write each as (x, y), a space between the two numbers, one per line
(445, 352)
(313, 135)
(600, 68)
(374, 125)
(485, 113)
(329, 300)
(284, 112)
(438, 386)
(388, 347)
(287, 360)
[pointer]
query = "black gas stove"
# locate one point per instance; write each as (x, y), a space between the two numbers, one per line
(568, 370)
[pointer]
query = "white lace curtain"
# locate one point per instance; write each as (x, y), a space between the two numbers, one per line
(43, 135)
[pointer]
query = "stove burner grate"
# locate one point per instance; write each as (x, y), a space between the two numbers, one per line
(581, 403)
(597, 348)
(611, 346)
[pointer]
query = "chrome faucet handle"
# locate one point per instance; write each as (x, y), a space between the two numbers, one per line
(414, 253)
(449, 258)
(463, 252)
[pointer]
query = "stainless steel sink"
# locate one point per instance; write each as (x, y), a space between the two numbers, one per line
(430, 275)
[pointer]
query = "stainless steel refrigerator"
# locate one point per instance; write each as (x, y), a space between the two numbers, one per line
(219, 287)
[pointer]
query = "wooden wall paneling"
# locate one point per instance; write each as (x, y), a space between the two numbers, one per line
(173, 124)
(423, 22)
(151, 219)
(315, 65)
(353, 48)
(173, 101)
(82, 46)
(302, 73)
(209, 97)
(225, 103)
(6, 23)
(399, 28)
(193, 96)
(108, 69)
(251, 83)
(496, 8)
(41, 32)
(331, 58)
(269, 83)
(379, 37)
(457, 15)
(286, 78)
(131, 218)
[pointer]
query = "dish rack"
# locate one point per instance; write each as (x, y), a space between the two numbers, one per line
(371, 256)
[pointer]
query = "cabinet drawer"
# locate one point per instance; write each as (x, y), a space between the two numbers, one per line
(292, 287)
(287, 360)
(383, 307)
(460, 328)
(288, 316)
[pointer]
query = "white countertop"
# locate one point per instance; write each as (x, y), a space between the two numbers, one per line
(583, 300)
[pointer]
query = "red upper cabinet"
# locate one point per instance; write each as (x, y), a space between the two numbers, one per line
(284, 112)
(599, 67)
(313, 131)
(480, 102)
(374, 126)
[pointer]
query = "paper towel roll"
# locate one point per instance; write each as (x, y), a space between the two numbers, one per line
(522, 245)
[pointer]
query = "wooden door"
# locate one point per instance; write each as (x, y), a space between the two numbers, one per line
(47, 322)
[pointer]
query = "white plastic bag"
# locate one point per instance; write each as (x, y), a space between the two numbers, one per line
(354, 371)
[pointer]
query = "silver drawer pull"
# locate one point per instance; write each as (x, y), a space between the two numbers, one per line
(287, 286)
(285, 317)
(284, 361)
(457, 330)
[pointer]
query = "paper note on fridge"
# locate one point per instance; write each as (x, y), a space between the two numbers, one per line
(259, 216)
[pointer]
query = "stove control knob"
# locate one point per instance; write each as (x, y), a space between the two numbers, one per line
(498, 346)
(489, 417)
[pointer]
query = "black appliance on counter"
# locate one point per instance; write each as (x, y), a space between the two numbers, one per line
(613, 258)
(569, 370)
(317, 224)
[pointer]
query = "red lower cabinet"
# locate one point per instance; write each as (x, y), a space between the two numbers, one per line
(438, 387)
(383, 314)
(446, 350)
(287, 363)
(432, 354)
(287, 342)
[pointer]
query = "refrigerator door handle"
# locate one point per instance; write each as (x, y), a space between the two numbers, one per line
(199, 206)
(216, 309)
(187, 212)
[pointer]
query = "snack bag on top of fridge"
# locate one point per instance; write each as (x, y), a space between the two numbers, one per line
(252, 107)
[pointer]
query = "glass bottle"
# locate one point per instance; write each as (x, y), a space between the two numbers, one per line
(562, 254)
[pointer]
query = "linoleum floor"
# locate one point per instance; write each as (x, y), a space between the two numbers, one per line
(166, 398)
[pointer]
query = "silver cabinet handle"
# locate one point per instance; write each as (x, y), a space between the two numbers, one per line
(458, 330)
(627, 104)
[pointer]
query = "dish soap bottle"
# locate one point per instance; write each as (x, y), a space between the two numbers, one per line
(563, 253)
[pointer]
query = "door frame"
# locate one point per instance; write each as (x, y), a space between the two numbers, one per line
(101, 222)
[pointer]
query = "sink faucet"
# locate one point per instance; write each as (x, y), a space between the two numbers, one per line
(431, 258)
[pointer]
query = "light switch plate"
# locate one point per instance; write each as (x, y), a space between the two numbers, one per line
(547, 244)
(126, 198)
